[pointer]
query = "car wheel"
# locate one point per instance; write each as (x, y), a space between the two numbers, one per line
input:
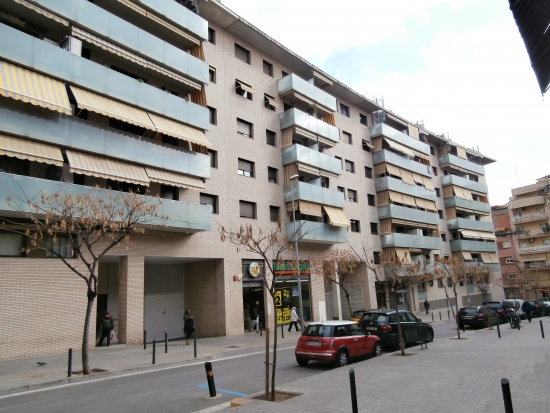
(341, 359)
(377, 350)
(301, 361)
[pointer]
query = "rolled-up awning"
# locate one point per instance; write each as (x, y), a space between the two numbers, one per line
(421, 155)
(336, 216)
(112, 108)
(179, 130)
(271, 101)
(133, 6)
(99, 166)
(174, 179)
(245, 87)
(42, 12)
(305, 133)
(30, 87)
(309, 169)
(398, 147)
(486, 235)
(31, 150)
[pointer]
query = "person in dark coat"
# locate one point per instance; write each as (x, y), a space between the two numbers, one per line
(527, 308)
(106, 327)
(188, 325)
(427, 306)
(254, 319)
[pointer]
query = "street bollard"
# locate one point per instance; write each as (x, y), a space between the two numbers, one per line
(507, 396)
(463, 328)
(541, 328)
(282, 331)
(195, 345)
(498, 329)
(70, 372)
(154, 349)
(165, 341)
(260, 327)
(210, 379)
(448, 315)
(144, 339)
(440, 316)
(353, 391)
(432, 316)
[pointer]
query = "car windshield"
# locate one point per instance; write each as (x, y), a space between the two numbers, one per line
(376, 318)
(468, 310)
(318, 330)
(494, 306)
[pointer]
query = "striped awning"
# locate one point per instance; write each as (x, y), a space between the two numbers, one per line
(470, 234)
(323, 78)
(271, 101)
(430, 205)
(393, 170)
(421, 155)
(173, 75)
(428, 183)
(328, 174)
(368, 144)
(92, 165)
(326, 141)
(467, 256)
(30, 87)
(112, 108)
(486, 235)
(309, 169)
(309, 208)
(245, 87)
(396, 197)
(396, 119)
(403, 255)
(398, 147)
(174, 179)
(408, 200)
(179, 130)
(31, 150)
(336, 216)
(42, 12)
(305, 133)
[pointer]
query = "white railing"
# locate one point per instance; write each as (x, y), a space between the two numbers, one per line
(538, 248)
(528, 217)
(534, 265)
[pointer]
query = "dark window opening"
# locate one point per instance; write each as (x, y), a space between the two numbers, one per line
(268, 68)
(242, 54)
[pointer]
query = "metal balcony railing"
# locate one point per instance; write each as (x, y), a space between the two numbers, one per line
(527, 234)
(535, 265)
(530, 217)
(538, 248)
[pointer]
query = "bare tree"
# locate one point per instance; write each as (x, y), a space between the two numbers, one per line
(91, 224)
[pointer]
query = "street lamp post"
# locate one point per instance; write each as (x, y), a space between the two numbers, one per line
(292, 179)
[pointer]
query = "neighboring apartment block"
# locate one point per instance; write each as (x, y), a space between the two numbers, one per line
(229, 128)
(509, 264)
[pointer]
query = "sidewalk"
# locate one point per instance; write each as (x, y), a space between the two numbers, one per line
(23, 374)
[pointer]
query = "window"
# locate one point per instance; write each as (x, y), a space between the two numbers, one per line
(242, 54)
(60, 245)
(511, 276)
(212, 35)
(350, 166)
(355, 227)
(270, 137)
(268, 68)
(435, 170)
(449, 282)
(244, 128)
(246, 168)
(283, 73)
(213, 158)
(247, 209)
(432, 150)
(346, 137)
(376, 257)
(363, 119)
(509, 260)
(212, 112)
(444, 237)
(440, 213)
(242, 89)
(169, 192)
(437, 193)
(352, 195)
(439, 283)
(212, 74)
(212, 200)
(344, 110)
(11, 244)
(368, 172)
(273, 213)
(374, 228)
(341, 189)
(370, 199)
(272, 175)
(269, 101)
(506, 244)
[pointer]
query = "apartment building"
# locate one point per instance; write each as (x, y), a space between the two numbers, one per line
(507, 255)
(192, 103)
(528, 210)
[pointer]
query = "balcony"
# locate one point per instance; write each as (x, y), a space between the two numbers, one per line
(478, 206)
(534, 249)
(296, 85)
(392, 184)
(381, 129)
(399, 160)
(46, 58)
(299, 153)
(313, 193)
(492, 267)
(539, 216)
(462, 165)
(181, 216)
(469, 245)
(316, 232)
(464, 183)
(295, 117)
(463, 223)
(111, 27)
(409, 214)
(527, 202)
(411, 241)
(68, 132)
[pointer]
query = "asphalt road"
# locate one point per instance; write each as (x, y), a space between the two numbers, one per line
(181, 389)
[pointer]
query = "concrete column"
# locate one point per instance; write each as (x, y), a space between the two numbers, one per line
(131, 277)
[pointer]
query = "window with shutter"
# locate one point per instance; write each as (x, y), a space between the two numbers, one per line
(247, 209)
(244, 128)
(246, 168)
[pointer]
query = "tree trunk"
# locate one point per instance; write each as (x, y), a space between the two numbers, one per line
(85, 337)
(456, 317)
(399, 331)
(274, 362)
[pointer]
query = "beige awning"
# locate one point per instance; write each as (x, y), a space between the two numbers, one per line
(494, 258)
(393, 170)
(309, 208)
(534, 257)
(421, 155)
(428, 183)
(31, 150)
(408, 200)
(112, 108)
(418, 178)
(30, 87)
(42, 12)
(323, 78)
(398, 147)
(396, 197)
(407, 177)
(176, 30)
(458, 192)
(173, 75)
(245, 87)
(271, 101)
(101, 167)
(467, 194)
(486, 257)
(461, 153)
(486, 235)
(403, 255)
(430, 205)
(305, 133)
(133, 6)
(396, 119)
(326, 141)
(174, 179)
(328, 174)
(304, 99)
(420, 203)
(467, 256)
(179, 130)
(470, 234)
(309, 169)
(368, 144)
(336, 216)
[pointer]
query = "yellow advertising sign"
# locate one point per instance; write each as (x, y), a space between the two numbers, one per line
(278, 299)
(283, 315)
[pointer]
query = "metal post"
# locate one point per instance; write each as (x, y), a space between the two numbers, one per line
(432, 316)
(448, 315)
(282, 331)
(165, 341)
(144, 339)
(297, 257)
(210, 379)
(541, 329)
(154, 349)
(507, 396)
(195, 344)
(70, 372)
(260, 326)
(440, 316)
(498, 329)
(353, 391)
(267, 362)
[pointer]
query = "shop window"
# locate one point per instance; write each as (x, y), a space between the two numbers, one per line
(212, 200)
(247, 209)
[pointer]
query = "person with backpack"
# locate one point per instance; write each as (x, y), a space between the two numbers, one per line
(106, 327)
(188, 325)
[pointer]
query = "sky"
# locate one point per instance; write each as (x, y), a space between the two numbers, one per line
(458, 66)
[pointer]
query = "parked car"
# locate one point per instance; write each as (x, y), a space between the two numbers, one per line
(546, 305)
(477, 316)
(336, 342)
(383, 323)
(356, 315)
(501, 307)
(539, 308)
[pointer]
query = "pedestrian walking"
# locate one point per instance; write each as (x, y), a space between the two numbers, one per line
(427, 306)
(188, 325)
(254, 318)
(293, 319)
(527, 308)
(106, 327)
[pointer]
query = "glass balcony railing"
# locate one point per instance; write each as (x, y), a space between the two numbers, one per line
(409, 214)
(181, 216)
(68, 132)
(453, 201)
(36, 54)
(392, 184)
(464, 183)
(411, 241)
(299, 153)
(401, 161)
(313, 193)
(462, 223)
(295, 117)
(470, 245)
(316, 232)
(381, 129)
(308, 90)
(452, 160)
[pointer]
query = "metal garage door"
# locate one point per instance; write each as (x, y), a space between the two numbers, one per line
(355, 298)
(163, 301)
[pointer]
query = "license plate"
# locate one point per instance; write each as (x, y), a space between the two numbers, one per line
(468, 318)
(313, 343)
(371, 328)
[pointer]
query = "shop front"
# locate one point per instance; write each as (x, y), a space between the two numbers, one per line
(288, 288)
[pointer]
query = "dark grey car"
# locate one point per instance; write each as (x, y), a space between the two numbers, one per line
(480, 316)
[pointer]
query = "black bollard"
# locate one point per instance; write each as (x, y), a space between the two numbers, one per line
(260, 327)
(144, 339)
(498, 329)
(282, 331)
(432, 316)
(505, 384)
(448, 315)
(195, 345)
(70, 372)
(165, 341)
(353, 391)
(541, 328)
(210, 379)
(463, 328)
(154, 349)
(440, 316)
